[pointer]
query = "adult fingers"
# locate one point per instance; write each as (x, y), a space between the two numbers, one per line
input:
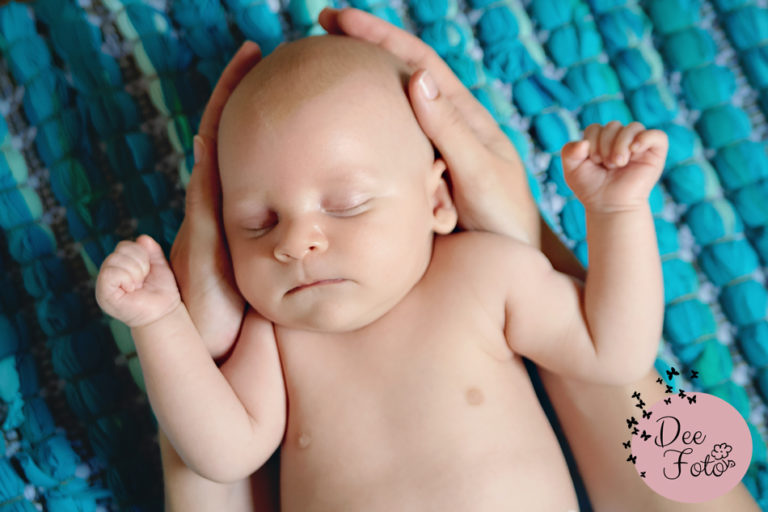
(441, 121)
(418, 55)
(247, 56)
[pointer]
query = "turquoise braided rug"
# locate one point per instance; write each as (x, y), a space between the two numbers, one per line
(99, 103)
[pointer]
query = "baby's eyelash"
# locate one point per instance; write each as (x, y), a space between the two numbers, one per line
(347, 210)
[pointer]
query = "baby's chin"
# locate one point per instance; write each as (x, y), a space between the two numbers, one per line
(326, 316)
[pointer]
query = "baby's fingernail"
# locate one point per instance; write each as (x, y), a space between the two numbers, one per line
(428, 85)
(197, 148)
(635, 146)
(596, 158)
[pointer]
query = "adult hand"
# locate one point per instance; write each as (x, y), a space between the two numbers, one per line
(199, 256)
(490, 187)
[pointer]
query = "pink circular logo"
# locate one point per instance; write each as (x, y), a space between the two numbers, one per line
(691, 447)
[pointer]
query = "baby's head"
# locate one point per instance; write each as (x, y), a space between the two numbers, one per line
(327, 175)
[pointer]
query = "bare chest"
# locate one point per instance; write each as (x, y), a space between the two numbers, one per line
(431, 396)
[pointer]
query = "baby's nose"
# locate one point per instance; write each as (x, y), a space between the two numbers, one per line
(298, 239)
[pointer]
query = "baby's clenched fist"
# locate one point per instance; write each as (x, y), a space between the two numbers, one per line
(614, 167)
(135, 283)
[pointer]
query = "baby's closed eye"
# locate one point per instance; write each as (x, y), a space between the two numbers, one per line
(347, 208)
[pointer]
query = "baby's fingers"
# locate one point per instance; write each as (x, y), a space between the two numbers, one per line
(605, 140)
(655, 140)
(591, 135)
(621, 153)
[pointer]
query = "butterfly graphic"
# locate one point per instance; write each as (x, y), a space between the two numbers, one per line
(645, 436)
(635, 395)
(640, 405)
(626, 445)
(668, 401)
(671, 372)
(692, 399)
(634, 431)
(646, 415)
(669, 389)
(681, 394)
(632, 458)
(642, 474)
(659, 380)
(631, 422)
(694, 374)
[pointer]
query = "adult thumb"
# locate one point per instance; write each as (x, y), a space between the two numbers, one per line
(444, 124)
(203, 189)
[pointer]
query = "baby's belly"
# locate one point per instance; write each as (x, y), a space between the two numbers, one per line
(425, 439)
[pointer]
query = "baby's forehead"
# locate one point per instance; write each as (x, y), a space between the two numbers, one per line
(300, 71)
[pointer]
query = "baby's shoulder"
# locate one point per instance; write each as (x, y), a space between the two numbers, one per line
(482, 246)
(485, 257)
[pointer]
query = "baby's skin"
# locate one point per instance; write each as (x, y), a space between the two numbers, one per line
(380, 350)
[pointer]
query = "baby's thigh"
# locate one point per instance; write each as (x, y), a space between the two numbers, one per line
(186, 491)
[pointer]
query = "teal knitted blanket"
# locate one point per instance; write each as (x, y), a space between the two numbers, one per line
(100, 100)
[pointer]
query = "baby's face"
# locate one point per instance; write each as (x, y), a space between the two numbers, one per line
(338, 193)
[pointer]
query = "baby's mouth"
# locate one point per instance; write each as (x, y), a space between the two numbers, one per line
(313, 284)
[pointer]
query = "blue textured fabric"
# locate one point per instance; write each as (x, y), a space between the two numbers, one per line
(574, 43)
(553, 130)
(673, 15)
(741, 163)
(637, 66)
(744, 303)
(723, 125)
(747, 27)
(653, 104)
(666, 236)
(446, 37)
(509, 60)
(429, 11)
(536, 92)
(470, 71)
(555, 175)
(753, 343)
(686, 321)
(554, 13)
(497, 24)
(712, 220)
(709, 86)
(683, 144)
(680, 280)
(604, 112)
(734, 395)
(755, 65)
(689, 48)
(750, 202)
(592, 80)
(623, 28)
(712, 360)
(725, 261)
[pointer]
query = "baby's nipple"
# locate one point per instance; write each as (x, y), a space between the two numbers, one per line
(474, 396)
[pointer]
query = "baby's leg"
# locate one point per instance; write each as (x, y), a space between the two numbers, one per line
(593, 419)
(186, 491)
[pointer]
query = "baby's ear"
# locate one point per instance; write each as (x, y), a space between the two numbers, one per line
(444, 214)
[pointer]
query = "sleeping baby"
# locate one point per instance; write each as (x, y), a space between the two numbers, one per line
(379, 349)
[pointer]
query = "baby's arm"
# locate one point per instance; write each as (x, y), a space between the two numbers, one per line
(225, 423)
(607, 330)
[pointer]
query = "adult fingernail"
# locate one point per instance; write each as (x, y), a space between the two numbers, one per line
(428, 86)
(197, 148)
